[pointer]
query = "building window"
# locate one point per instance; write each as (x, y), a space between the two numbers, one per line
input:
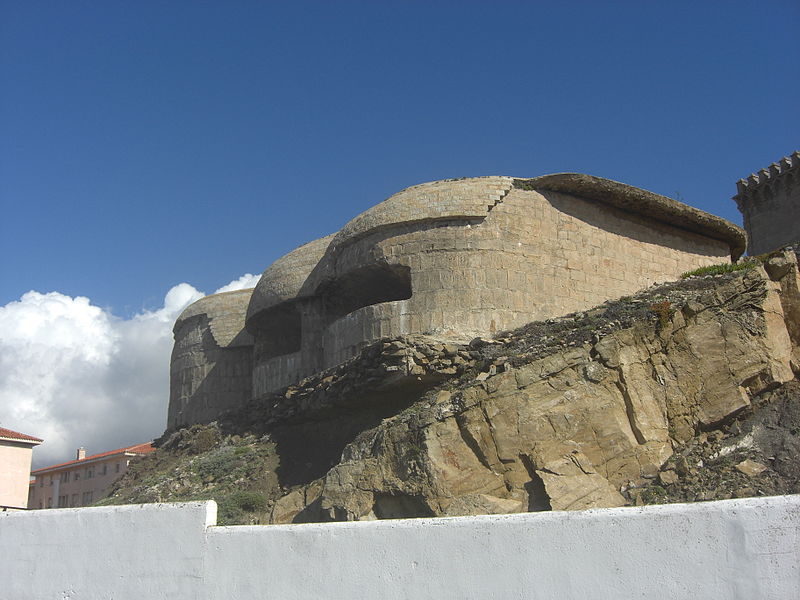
(50, 502)
(89, 472)
(86, 498)
(41, 484)
(77, 475)
(117, 468)
(74, 500)
(104, 470)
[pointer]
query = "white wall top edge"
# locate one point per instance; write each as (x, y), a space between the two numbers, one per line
(206, 512)
(789, 502)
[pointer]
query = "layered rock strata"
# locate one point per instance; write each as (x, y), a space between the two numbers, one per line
(571, 429)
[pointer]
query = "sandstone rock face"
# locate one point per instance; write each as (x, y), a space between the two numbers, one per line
(569, 429)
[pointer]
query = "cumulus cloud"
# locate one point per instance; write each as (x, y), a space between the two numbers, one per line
(245, 281)
(75, 375)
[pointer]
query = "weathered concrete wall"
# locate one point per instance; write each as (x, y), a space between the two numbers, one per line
(467, 258)
(211, 365)
(770, 203)
(735, 549)
(281, 317)
(450, 259)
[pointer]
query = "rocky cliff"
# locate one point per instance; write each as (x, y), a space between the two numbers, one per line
(686, 391)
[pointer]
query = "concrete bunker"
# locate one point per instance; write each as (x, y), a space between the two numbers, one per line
(463, 258)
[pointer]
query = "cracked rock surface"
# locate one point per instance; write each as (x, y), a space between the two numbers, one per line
(596, 409)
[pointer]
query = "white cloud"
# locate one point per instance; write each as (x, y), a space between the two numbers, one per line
(245, 281)
(76, 375)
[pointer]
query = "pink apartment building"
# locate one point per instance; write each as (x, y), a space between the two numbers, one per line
(16, 450)
(82, 481)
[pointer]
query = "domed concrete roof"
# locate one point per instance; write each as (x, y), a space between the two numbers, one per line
(225, 313)
(439, 200)
(639, 201)
(283, 280)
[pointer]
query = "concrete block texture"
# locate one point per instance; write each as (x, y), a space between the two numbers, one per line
(732, 550)
(457, 259)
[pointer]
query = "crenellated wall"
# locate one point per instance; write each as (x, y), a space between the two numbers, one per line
(770, 204)
(453, 260)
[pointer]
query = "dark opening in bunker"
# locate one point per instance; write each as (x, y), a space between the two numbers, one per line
(366, 286)
(279, 332)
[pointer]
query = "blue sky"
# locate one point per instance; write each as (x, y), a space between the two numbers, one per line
(149, 144)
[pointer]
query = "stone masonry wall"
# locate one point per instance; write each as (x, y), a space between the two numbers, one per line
(770, 203)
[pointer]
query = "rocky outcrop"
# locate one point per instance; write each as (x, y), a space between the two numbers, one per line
(568, 430)
(583, 411)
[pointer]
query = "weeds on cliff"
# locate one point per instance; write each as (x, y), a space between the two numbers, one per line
(217, 465)
(663, 311)
(654, 494)
(722, 268)
(233, 509)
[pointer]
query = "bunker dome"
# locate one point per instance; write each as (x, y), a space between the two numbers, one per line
(451, 259)
(211, 365)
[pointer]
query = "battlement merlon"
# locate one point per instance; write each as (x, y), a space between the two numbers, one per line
(769, 201)
(748, 185)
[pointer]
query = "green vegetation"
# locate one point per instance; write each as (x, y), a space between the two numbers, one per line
(233, 508)
(664, 311)
(218, 464)
(201, 463)
(654, 494)
(746, 263)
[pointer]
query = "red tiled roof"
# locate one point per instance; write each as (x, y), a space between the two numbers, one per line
(145, 448)
(16, 435)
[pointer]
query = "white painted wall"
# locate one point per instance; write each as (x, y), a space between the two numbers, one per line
(140, 551)
(735, 549)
